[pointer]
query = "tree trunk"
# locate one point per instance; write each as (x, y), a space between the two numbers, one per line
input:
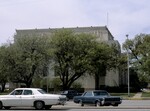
(28, 83)
(65, 86)
(3, 86)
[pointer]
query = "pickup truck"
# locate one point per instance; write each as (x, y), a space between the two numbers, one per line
(98, 98)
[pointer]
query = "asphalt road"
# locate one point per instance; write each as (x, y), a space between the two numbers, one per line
(109, 110)
(127, 105)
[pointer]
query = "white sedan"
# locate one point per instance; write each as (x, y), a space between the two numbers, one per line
(31, 97)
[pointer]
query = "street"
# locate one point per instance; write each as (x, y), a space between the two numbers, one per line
(109, 110)
(127, 105)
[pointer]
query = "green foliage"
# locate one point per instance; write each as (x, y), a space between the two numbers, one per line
(102, 57)
(76, 85)
(75, 55)
(28, 56)
(56, 84)
(139, 55)
(146, 94)
(123, 95)
(37, 81)
(71, 55)
(4, 69)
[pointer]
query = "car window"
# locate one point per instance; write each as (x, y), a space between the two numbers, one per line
(42, 91)
(27, 92)
(74, 92)
(88, 94)
(100, 93)
(65, 92)
(17, 92)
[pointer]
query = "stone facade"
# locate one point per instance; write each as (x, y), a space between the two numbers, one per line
(102, 34)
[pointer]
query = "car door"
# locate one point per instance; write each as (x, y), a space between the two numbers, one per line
(88, 97)
(14, 99)
(27, 98)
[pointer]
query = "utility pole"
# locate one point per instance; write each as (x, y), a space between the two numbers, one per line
(128, 67)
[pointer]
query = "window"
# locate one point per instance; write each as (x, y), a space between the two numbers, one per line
(42, 91)
(65, 92)
(17, 92)
(88, 94)
(100, 93)
(27, 92)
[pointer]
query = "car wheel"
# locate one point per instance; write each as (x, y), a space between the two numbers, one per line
(39, 105)
(48, 106)
(81, 103)
(97, 103)
(7, 107)
(1, 105)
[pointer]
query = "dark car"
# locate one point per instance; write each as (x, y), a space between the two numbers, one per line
(98, 98)
(70, 94)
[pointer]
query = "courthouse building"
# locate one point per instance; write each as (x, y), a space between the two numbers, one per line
(112, 77)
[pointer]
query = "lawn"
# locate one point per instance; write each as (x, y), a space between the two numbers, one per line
(146, 94)
(4, 93)
(123, 94)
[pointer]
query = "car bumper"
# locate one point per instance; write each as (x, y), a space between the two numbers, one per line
(62, 101)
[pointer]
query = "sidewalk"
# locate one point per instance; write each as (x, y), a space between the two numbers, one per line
(137, 95)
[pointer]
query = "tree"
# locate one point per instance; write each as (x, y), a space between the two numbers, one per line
(103, 57)
(71, 55)
(139, 55)
(4, 69)
(28, 57)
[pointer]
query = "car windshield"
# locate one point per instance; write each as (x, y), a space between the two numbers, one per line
(42, 91)
(100, 93)
(65, 92)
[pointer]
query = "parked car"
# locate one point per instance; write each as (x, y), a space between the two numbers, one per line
(98, 98)
(70, 94)
(31, 97)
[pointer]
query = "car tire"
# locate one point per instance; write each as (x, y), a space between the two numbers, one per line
(81, 103)
(1, 105)
(7, 107)
(39, 105)
(98, 104)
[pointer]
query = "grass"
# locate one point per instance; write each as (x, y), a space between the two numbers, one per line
(146, 94)
(123, 94)
(4, 93)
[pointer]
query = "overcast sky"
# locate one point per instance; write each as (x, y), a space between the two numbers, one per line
(122, 17)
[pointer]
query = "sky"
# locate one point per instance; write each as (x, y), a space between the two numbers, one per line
(122, 17)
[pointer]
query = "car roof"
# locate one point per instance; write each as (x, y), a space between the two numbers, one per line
(100, 90)
(27, 88)
(96, 91)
